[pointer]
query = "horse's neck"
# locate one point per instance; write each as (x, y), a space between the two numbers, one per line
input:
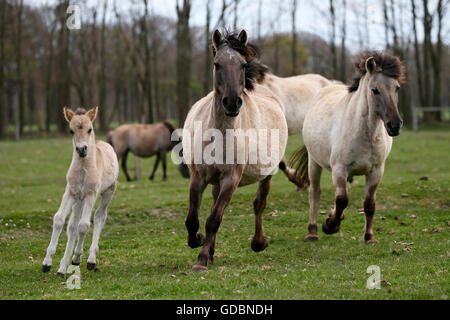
(361, 112)
(218, 116)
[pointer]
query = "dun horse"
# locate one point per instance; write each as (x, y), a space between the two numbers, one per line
(145, 140)
(93, 171)
(236, 104)
(349, 131)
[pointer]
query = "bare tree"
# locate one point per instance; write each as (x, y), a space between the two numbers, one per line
(418, 56)
(101, 74)
(184, 52)
(333, 39)
(343, 39)
(294, 37)
(207, 66)
(436, 54)
(21, 120)
(3, 121)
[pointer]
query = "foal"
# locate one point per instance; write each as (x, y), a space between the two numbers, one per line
(93, 171)
(349, 131)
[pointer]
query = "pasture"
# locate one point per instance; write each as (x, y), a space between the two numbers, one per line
(144, 254)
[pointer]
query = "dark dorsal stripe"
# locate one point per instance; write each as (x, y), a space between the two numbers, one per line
(387, 64)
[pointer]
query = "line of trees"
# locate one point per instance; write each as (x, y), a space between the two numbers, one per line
(142, 67)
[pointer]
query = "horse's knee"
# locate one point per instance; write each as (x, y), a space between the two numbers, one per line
(58, 220)
(83, 227)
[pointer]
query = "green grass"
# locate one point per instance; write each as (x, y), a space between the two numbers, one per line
(144, 255)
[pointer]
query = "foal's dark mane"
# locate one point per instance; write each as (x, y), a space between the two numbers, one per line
(387, 64)
(255, 71)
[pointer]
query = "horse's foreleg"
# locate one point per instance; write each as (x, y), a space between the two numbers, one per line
(124, 165)
(197, 186)
(372, 181)
(333, 222)
(99, 222)
(259, 243)
(72, 231)
(152, 176)
(58, 223)
(314, 173)
(83, 226)
(215, 193)
(227, 188)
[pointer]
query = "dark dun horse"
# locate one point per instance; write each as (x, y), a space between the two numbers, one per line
(237, 104)
(145, 140)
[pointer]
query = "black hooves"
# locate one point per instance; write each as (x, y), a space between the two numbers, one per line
(75, 263)
(259, 246)
(46, 268)
(330, 227)
(90, 266)
(197, 242)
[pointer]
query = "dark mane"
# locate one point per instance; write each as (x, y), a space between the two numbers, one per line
(387, 64)
(255, 71)
(80, 111)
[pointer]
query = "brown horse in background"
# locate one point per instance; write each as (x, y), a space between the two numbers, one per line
(145, 140)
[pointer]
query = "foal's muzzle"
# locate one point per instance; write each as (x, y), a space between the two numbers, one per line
(82, 151)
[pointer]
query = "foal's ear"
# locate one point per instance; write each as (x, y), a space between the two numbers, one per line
(217, 40)
(243, 37)
(68, 114)
(92, 114)
(371, 65)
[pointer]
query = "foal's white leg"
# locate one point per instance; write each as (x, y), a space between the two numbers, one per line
(99, 222)
(71, 236)
(84, 225)
(372, 181)
(314, 172)
(58, 223)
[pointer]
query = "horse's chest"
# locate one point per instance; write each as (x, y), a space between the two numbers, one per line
(82, 184)
(363, 159)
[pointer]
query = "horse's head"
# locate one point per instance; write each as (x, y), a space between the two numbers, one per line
(82, 129)
(231, 56)
(385, 74)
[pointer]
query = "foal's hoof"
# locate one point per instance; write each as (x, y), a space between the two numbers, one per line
(330, 227)
(311, 237)
(197, 242)
(259, 246)
(199, 268)
(90, 266)
(46, 268)
(75, 263)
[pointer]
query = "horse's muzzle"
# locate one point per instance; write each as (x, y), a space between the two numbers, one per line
(82, 151)
(393, 128)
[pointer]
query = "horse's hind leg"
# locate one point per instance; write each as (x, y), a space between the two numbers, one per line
(333, 222)
(372, 181)
(99, 222)
(124, 164)
(152, 176)
(58, 223)
(215, 193)
(259, 243)
(314, 173)
(197, 186)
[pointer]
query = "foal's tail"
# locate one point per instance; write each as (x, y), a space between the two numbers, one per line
(299, 161)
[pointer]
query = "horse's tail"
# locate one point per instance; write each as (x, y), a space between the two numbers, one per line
(299, 161)
(169, 126)
(109, 139)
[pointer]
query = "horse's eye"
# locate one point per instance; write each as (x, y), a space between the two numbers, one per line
(89, 131)
(375, 91)
(71, 132)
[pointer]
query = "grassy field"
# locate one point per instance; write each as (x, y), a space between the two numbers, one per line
(144, 255)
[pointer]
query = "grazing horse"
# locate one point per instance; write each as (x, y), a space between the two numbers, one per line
(145, 140)
(237, 104)
(349, 131)
(93, 171)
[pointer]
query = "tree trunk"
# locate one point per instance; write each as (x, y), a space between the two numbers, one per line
(343, 39)
(3, 122)
(20, 93)
(102, 76)
(427, 27)
(294, 37)
(418, 56)
(184, 48)
(207, 67)
(332, 40)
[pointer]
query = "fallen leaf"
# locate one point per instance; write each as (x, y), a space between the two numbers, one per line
(274, 213)
(405, 195)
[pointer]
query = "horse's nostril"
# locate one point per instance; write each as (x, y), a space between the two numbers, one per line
(225, 102)
(238, 102)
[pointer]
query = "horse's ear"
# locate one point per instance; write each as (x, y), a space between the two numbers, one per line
(92, 114)
(217, 40)
(371, 65)
(68, 114)
(243, 37)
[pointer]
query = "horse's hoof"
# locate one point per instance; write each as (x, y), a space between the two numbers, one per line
(151, 178)
(90, 266)
(259, 246)
(46, 268)
(198, 241)
(312, 237)
(60, 274)
(75, 263)
(199, 268)
(370, 239)
(330, 227)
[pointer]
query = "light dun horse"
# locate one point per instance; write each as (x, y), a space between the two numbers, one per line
(93, 171)
(145, 140)
(349, 131)
(236, 103)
